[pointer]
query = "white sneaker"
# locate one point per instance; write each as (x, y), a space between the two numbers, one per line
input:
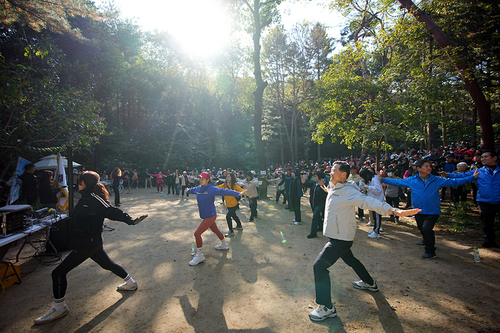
(198, 258)
(297, 223)
(374, 235)
(51, 315)
(322, 313)
(127, 287)
(381, 229)
(370, 224)
(365, 286)
(222, 246)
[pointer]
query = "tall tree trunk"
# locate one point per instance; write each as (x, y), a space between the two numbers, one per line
(259, 90)
(482, 105)
(474, 122)
(282, 150)
(429, 136)
(444, 133)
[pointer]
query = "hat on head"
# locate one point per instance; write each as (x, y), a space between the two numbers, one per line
(205, 175)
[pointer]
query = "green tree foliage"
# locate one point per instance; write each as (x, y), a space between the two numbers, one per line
(46, 15)
(411, 83)
(39, 108)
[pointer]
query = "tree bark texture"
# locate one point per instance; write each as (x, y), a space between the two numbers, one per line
(259, 90)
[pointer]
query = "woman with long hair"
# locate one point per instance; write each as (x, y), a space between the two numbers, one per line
(232, 204)
(86, 241)
(116, 176)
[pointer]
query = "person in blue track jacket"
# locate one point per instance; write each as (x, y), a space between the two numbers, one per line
(425, 196)
(488, 193)
(205, 195)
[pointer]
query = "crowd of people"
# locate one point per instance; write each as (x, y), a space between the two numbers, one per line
(338, 191)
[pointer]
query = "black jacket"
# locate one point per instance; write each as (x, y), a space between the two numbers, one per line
(29, 185)
(47, 193)
(89, 214)
(318, 195)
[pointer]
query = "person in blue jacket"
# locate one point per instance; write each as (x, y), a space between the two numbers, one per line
(488, 193)
(425, 196)
(205, 195)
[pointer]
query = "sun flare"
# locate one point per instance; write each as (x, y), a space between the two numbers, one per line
(201, 27)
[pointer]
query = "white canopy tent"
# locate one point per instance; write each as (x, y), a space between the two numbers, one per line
(50, 162)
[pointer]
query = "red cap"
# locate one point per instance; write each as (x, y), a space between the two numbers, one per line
(205, 175)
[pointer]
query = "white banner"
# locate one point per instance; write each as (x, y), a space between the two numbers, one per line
(60, 181)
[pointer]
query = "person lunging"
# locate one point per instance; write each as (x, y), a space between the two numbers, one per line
(86, 241)
(205, 195)
(340, 227)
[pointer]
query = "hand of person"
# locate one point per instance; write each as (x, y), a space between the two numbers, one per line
(443, 173)
(140, 219)
(407, 212)
(476, 173)
(242, 193)
(324, 188)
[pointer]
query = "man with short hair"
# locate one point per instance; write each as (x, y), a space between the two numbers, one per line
(317, 199)
(424, 188)
(488, 194)
(29, 185)
(340, 226)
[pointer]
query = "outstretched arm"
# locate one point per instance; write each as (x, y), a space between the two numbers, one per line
(139, 219)
(406, 212)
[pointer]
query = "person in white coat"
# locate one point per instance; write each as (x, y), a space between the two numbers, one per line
(375, 190)
(340, 227)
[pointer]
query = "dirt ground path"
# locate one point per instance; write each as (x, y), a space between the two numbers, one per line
(261, 284)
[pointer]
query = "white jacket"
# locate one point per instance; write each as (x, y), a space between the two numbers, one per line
(251, 186)
(375, 189)
(341, 202)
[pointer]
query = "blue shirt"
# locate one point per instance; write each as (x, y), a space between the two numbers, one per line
(205, 195)
(426, 195)
(488, 184)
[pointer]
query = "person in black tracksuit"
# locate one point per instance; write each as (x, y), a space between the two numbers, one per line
(288, 180)
(279, 192)
(29, 185)
(295, 195)
(116, 176)
(317, 199)
(86, 240)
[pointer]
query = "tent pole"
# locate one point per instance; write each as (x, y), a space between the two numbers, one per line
(70, 179)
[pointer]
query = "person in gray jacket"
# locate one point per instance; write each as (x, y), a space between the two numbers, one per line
(340, 226)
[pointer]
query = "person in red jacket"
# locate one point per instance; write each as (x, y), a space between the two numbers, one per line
(159, 181)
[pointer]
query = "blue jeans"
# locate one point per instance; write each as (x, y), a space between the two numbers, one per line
(332, 251)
